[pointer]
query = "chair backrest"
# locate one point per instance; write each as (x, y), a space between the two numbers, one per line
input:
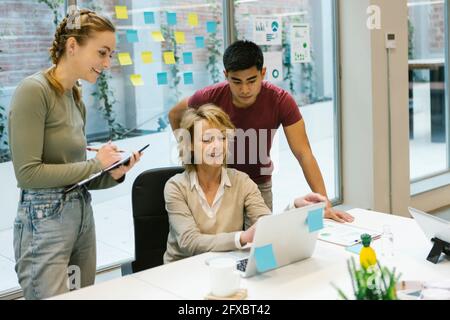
(151, 222)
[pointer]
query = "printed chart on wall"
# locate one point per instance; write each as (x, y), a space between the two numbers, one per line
(267, 31)
(273, 61)
(300, 43)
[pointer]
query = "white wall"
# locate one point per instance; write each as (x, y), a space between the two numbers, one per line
(365, 140)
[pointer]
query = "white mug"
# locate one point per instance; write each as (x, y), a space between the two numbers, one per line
(225, 279)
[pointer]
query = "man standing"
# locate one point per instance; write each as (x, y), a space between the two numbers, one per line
(257, 108)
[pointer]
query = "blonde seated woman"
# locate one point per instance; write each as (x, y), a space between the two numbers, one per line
(209, 203)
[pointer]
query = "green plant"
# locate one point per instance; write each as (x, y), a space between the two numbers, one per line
(214, 44)
(373, 283)
(106, 103)
(286, 48)
(4, 146)
(410, 40)
(55, 6)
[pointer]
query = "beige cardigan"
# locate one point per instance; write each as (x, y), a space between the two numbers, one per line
(192, 232)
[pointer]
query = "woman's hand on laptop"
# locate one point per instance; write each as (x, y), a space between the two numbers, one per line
(309, 199)
(247, 235)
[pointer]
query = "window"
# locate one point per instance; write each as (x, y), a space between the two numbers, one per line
(299, 49)
(165, 51)
(427, 89)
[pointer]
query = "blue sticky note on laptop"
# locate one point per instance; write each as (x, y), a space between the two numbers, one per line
(132, 36)
(315, 220)
(265, 259)
(200, 42)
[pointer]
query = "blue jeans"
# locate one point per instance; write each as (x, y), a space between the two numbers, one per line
(54, 242)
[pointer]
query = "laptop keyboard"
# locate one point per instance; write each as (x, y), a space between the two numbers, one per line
(242, 265)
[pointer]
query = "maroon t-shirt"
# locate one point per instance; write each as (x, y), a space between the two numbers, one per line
(273, 106)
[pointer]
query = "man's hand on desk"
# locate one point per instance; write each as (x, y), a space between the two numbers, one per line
(337, 215)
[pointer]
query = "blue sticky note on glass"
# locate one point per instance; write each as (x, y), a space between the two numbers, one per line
(187, 58)
(199, 42)
(149, 17)
(315, 220)
(132, 36)
(356, 249)
(211, 26)
(188, 78)
(162, 78)
(265, 259)
(171, 18)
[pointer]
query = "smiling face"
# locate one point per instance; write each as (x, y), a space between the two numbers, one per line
(211, 143)
(245, 85)
(90, 58)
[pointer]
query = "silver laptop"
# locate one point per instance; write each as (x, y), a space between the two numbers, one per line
(432, 226)
(289, 235)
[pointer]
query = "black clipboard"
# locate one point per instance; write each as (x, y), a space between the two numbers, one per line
(117, 164)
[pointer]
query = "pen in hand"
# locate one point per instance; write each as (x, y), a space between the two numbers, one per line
(97, 150)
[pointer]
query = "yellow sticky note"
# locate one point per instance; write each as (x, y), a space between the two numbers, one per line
(179, 37)
(124, 58)
(169, 57)
(157, 36)
(193, 19)
(136, 79)
(121, 12)
(147, 57)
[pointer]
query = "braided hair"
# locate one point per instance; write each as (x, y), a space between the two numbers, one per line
(86, 23)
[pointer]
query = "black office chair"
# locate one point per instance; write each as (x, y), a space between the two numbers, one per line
(151, 223)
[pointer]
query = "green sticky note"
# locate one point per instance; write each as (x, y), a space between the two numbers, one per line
(265, 258)
(315, 220)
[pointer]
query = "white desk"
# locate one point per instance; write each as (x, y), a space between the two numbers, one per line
(307, 279)
(126, 288)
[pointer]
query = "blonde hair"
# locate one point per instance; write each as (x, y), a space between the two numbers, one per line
(89, 22)
(210, 113)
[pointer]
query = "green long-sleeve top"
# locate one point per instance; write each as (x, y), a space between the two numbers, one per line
(47, 138)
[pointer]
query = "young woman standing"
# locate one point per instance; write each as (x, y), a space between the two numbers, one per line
(54, 231)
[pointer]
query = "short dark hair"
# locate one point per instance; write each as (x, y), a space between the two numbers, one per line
(242, 55)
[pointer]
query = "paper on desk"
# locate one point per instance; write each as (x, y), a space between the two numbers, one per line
(344, 234)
